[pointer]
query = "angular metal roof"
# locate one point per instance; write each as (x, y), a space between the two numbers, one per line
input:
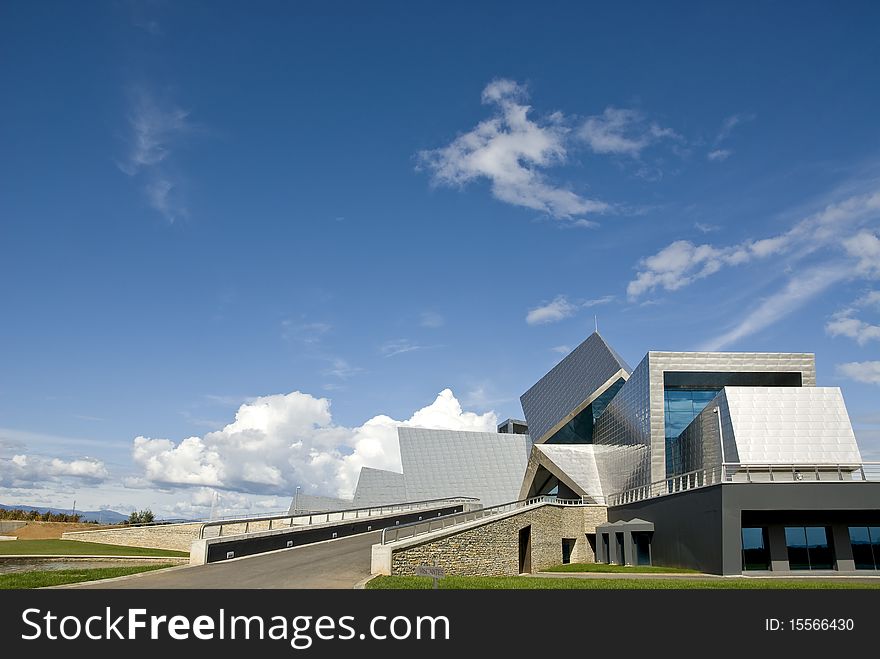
(446, 463)
(571, 385)
(377, 487)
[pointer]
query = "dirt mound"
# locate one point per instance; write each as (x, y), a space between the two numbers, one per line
(50, 530)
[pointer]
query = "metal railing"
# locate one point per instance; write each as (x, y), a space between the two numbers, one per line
(244, 525)
(735, 472)
(413, 529)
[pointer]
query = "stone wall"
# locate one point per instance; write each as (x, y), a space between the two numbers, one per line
(162, 536)
(492, 549)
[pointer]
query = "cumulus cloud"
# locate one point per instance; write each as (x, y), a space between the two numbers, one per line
(620, 131)
(868, 372)
(558, 309)
(278, 442)
(512, 152)
(34, 471)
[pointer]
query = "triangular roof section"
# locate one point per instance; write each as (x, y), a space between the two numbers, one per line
(581, 377)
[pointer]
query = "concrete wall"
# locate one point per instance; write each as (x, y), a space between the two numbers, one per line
(7, 526)
(492, 548)
(163, 536)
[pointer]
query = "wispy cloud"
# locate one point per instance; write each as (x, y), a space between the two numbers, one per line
(867, 372)
(718, 155)
(845, 322)
(431, 319)
(562, 350)
(682, 262)
(155, 130)
(341, 369)
(729, 124)
(561, 308)
(797, 292)
(706, 228)
(399, 347)
(836, 239)
(557, 309)
(512, 152)
(304, 332)
(621, 131)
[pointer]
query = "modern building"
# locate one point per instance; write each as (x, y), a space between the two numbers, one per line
(724, 462)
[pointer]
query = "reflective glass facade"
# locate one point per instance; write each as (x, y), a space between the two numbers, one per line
(756, 548)
(580, 429)
(865, 542)
(808, 548)
(680, 407)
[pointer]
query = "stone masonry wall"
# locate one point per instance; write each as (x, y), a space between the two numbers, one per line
(163, 536)
(493, 549)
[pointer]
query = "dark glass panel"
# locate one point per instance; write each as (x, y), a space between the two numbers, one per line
(756, 554)
(860, 539)
(796, 541)
(821, 556)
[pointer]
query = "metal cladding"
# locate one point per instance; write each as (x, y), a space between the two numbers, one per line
(635, 417)
(573, 465)
(570, 386)
(771, 425)
(447, 463)
(378, 487)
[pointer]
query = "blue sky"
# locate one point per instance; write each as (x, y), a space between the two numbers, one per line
(207, 207)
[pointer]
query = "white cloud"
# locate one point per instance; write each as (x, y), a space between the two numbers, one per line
(794, 294)
(155, 131)
(845, 322)
(868, 372)
(431, 319)
(836, 225)
(399, 347)
(718, 155)
(619, 131)
(562, 350)
(558, 309)
(865, 246)
(28, 471)
(340, 368)
(706, 228)
(278, 442)
(730, 123)
(511, 151)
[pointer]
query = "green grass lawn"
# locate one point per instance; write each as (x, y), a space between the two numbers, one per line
(42, 578)
(539, 583)
(625, 569)
(74, 548)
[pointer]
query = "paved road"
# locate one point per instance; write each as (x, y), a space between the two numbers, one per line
(334, 564)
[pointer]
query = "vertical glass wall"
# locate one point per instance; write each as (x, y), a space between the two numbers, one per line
(808, 548)
(680, 407)
(865, 541)
(756, 548)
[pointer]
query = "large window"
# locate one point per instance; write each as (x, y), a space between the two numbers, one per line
(680, 407)
(808, 548)
(756, 549)
(865, 542)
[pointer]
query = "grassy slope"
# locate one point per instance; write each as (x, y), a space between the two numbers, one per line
(539, 583)
(625, 569)
(44, 578)
(74, 548)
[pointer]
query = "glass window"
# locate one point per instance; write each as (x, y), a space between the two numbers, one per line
(865, 541)
(808, 548)
(756, 549)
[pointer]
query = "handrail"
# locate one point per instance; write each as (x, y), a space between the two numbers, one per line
(323, 517)
(739, 472)
(413, 529)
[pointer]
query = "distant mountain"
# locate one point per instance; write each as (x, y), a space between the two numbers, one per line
(100, 516)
